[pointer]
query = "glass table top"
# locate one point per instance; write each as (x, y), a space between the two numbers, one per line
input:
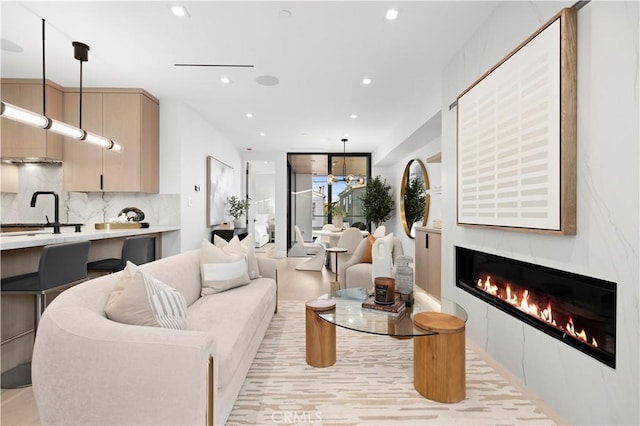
(350, 314)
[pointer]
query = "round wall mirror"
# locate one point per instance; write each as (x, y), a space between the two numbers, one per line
(414, 200)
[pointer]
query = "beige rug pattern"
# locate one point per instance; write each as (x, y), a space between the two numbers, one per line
(370, 384)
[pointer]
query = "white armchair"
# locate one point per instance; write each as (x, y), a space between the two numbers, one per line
(356, 273)
(349, 240)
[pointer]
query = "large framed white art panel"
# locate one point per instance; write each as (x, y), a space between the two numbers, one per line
(516, 148)
(219, 187)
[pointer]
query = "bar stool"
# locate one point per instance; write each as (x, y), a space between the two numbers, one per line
(137, 250)
(61, 265)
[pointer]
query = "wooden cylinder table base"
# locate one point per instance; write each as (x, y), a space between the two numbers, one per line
(439, 359)
(320, 334)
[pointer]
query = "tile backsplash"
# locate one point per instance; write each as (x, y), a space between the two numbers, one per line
(79, 207)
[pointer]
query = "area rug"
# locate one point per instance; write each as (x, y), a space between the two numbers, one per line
(370, 384)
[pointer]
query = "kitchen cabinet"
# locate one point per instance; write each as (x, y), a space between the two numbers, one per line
(19, 141)
(8, 178)
(428, 260)
(129, 117)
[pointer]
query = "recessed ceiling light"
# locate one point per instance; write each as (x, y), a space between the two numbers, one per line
(249, 115)
(366, 81)
(391, 14)
(180, 11)
(225, 80)
(267, 80)
(261, 133)
(353, 116)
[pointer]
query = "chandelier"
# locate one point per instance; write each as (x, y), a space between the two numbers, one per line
(349, 179)
(35, 119)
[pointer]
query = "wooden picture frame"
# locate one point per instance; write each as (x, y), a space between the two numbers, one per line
(219, 187)
(516, 137)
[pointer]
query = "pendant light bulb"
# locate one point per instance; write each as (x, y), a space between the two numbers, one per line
(22, 115)
(64, 129)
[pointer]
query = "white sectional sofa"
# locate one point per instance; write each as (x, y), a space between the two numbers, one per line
(88, 369)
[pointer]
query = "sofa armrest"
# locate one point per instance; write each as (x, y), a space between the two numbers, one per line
(88, 369)
(267, 267)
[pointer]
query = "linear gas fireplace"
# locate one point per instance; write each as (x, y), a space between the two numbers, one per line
(578, 310)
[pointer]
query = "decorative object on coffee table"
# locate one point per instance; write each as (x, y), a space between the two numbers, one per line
(404, 278)
(385, 290)
(394, 309)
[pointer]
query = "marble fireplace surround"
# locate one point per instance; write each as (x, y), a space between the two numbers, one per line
(79, 207)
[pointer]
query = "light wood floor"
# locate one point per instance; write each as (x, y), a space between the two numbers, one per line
(18, 406)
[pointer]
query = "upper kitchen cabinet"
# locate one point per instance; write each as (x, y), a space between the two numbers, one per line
(129, 117)
(20, 141)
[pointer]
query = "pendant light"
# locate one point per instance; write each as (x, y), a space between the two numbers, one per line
(41, 121)
(350, 178)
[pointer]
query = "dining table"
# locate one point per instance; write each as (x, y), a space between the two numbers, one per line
(333, 234)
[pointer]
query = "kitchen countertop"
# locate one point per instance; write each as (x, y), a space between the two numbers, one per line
(11, 242)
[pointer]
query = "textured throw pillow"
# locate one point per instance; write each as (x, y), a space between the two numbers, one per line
(222, 268)
(366, 256)
(140, 299)
(246, 247)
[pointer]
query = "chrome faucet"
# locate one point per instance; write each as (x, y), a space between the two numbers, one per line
(56, 220)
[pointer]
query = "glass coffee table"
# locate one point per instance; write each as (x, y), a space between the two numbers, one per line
(350, 314)
(436, 326)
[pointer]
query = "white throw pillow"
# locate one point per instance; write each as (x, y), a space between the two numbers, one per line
(140, 299)
(249, 246)
(246, 247)
(222, 268)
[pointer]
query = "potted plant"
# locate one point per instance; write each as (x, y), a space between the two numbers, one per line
(337, 213)
(377, 202)
(238, 207)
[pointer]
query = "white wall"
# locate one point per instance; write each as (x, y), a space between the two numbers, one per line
(186, 140)
(607, 240)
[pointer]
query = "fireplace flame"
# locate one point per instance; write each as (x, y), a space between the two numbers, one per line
(521, 300)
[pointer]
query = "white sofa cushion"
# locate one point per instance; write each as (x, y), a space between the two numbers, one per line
(140, 299)
(246, 246)
(232, 317)
(222, 268)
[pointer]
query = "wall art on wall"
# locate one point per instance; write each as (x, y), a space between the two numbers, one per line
(219, 187)
(517, 136)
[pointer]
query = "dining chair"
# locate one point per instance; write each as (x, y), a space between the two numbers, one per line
(316, 250)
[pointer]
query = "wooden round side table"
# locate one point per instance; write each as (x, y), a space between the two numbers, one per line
(320, 334)
(439, 359)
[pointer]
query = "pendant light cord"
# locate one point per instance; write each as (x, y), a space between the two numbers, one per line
(80, 122)
(44, 84)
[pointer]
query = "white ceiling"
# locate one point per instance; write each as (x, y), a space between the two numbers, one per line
(319, 53)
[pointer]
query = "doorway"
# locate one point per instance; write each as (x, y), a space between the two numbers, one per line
(312, 191)
(261, 190)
